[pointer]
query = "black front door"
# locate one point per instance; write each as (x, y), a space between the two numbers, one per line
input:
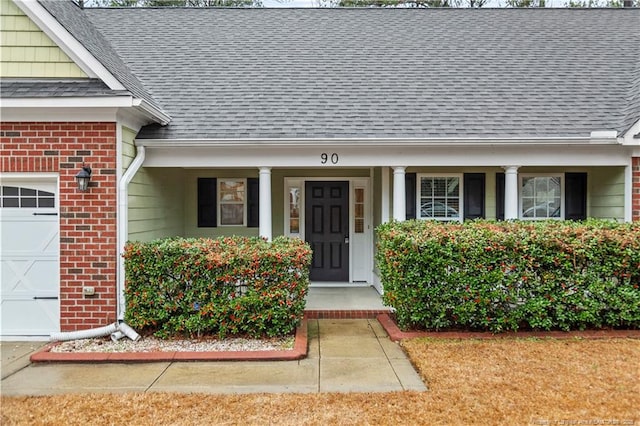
(327, 229)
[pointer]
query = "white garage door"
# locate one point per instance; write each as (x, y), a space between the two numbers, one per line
(29, 257)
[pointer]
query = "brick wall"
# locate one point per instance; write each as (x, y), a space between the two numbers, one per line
(635, 192)
(88, 225)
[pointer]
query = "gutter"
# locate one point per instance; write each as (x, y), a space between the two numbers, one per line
(123, 224)
(151, 111)
(594, 139)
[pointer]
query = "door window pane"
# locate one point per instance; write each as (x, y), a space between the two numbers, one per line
(294, 210)
(359, 211)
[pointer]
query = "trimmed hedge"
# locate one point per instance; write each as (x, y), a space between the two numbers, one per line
(500, 276)
(226, 286)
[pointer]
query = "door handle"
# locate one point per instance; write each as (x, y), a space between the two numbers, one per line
(346, 240)
(45, 298)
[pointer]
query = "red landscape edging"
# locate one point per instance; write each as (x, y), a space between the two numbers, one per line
(299, 351)
(396, 334)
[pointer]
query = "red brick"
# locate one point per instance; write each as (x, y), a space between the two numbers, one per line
(635, 193)
(26, 153)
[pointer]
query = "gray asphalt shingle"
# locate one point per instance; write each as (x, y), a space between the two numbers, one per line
(382, 73)
(30, 88)
(73, 19)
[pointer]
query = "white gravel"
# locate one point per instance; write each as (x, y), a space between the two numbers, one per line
(153, 344)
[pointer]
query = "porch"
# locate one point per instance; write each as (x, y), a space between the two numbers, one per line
(343, 302)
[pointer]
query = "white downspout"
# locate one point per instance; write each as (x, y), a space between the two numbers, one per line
(123, 223)
(118, 329)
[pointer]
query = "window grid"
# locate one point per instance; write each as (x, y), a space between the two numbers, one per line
(17, 197)
(541, 197)
(359, 211)
(439, 197)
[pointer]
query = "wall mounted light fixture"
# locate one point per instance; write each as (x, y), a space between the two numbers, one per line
(83, 177)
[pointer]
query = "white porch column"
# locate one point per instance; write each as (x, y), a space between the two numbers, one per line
(511, 192)
(265, 202)
(399, 199)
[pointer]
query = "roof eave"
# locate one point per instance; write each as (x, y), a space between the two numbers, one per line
(453, 141)
(154, 113)
(632, 135)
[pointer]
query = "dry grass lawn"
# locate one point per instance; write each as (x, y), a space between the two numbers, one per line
(471, 382)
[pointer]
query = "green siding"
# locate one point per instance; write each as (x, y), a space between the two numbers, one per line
(606, 193)
(155, 198)
(26, 51)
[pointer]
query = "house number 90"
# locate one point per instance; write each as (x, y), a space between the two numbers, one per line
(325, 158)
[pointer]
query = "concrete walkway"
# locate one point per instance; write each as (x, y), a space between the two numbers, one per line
(344, 356)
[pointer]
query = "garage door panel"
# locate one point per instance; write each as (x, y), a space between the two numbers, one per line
(29, 233)
(29, 275)
(29, 258)
(43, 315)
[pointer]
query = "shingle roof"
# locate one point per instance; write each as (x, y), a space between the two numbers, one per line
(23, 88)
(72, 18)
(382, 73)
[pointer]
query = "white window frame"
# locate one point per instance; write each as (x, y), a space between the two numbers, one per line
(521, 178)
(219, 201)
(460, 177)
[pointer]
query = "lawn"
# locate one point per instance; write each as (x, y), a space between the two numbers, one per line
(537, 382)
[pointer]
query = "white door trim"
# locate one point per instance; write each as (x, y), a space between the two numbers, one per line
(299, 182)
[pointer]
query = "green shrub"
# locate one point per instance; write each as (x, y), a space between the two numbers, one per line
(501, 276)
(226, 286)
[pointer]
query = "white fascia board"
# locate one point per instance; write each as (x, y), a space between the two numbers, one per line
(68, 43)
(341, 142)
(632, 136)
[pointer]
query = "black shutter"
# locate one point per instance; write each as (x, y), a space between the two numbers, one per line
(207, 197)
(500, 196)
(410, 195)
(575, 196)
(474, 184)
(253, 202)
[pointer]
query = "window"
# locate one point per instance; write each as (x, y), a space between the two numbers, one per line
(359, 210)
(13, 196)
(294, 210)
(541, 197)
(228, 202)
(231, 202)
(439, 197)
